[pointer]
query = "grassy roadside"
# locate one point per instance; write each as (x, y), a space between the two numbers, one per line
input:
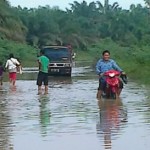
(133, 60)
(26, 54)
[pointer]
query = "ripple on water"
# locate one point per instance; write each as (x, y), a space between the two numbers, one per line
(70, 117)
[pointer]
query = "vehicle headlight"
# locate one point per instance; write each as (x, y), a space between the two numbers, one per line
(67, 65)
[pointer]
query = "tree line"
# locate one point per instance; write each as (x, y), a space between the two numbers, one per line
(81, 25)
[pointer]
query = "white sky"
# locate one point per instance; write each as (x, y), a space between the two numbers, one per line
(65, 3)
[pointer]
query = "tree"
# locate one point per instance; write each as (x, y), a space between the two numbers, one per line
(107, 7)
(9, 23)
(147, 2)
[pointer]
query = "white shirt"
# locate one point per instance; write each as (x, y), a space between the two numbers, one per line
(11, 64)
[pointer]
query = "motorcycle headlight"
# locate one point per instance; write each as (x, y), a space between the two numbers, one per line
(111, 74)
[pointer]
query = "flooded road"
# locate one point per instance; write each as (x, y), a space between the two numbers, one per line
(70, 117)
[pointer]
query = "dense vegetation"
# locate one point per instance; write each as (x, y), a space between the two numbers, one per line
(90, 28)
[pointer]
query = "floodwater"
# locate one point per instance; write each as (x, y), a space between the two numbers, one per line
(70, 117)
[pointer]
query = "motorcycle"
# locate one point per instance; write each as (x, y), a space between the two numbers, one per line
(113, 82)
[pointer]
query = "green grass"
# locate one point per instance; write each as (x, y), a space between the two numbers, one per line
(133, 60)
(26, 54)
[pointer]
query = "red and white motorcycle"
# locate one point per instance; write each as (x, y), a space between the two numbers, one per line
(113, 81)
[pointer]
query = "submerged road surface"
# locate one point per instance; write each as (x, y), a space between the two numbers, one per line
(70, 117)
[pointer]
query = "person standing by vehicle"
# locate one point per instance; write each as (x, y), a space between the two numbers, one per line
(105, 64)
(11, 65)
(43, 63)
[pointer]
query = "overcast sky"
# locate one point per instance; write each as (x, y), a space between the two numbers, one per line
(65, 3)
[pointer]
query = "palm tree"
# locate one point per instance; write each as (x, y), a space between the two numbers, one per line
(83, 9)
(107, 7)
(147, 2)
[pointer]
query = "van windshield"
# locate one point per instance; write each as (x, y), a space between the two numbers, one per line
(57, 54)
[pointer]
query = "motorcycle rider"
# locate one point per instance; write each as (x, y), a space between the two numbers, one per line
(105, 64)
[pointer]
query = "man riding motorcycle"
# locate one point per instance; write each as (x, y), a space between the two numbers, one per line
(103, 65)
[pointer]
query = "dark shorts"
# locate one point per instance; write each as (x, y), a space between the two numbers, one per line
(1, 78)
(102, 84)
(42, 78)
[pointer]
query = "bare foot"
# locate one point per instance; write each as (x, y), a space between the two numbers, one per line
(39, 92)
(46, 92)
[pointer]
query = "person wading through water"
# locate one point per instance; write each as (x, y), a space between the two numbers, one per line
(43, 63)
(11, 65)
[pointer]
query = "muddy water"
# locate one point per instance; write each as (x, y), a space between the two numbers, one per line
(70, 117)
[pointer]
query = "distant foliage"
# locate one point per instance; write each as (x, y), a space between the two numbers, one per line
(11, 27)
(46, 25)
(81, 26)
(26, 54)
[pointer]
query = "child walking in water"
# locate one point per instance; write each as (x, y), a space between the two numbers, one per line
(11, 65)
(1, 74)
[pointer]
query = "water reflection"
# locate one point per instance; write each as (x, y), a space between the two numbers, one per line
(112, 117)
(65, 118)
(56, 82)
(45, 114)
(4, 123)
